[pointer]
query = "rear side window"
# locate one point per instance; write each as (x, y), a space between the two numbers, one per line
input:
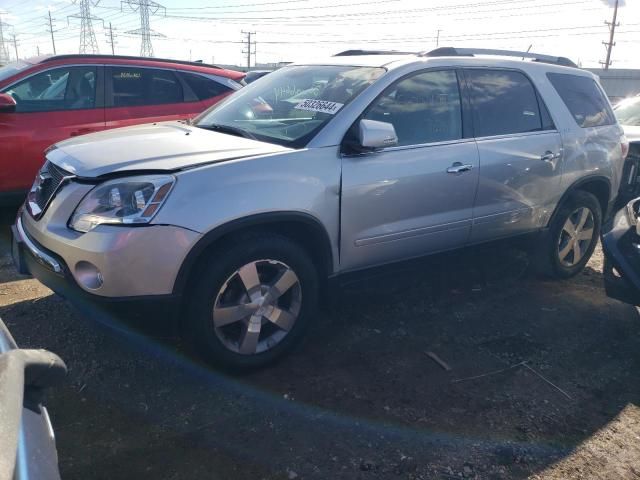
(135, 87)
(503, 102)
(204, 87)
(584, 99)
(423, 108)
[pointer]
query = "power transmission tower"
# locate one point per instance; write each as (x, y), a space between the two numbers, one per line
(146, 9)
(53, 40)
(88, 42)
(4, 53)
(612, 30)
(249, 45)
(110, 40)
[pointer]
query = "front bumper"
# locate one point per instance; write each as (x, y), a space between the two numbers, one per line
(157, 310)
(109, 261)
(621, 246)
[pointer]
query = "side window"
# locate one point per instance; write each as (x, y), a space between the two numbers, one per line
(204, 87)
(136, 87)
(423, 108)
(583, 98)
(502, 102)
(72, 88)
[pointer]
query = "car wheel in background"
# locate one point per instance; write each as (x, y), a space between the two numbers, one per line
(253, 300)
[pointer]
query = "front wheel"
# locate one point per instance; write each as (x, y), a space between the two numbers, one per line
(253, 301)
(573, 236)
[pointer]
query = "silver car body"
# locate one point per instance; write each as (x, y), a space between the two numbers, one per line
(374, 208)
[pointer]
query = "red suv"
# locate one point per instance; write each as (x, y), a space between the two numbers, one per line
(47, 99)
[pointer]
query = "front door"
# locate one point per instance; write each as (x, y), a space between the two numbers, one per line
(417, 197)
(51, 106)
(520, 154)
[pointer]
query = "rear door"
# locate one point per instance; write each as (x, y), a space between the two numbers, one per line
(520, 154)
(137, 95)
(417, 197)
(51, 106)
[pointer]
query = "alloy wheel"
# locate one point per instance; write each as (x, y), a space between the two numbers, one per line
(576, 236)
(257, 306)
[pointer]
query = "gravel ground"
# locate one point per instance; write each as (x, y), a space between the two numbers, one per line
(544, 383)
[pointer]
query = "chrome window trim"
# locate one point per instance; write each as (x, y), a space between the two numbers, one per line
(399, 148)
(516, 135)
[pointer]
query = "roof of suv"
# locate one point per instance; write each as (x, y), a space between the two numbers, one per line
(391, 59)
(132, 60)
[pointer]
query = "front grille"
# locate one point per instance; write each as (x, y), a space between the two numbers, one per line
(47, 183)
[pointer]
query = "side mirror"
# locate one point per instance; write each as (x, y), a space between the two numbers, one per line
(7, 103)
(374, 135)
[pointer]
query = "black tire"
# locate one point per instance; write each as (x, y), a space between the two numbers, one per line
(547, 261)
(219, 266)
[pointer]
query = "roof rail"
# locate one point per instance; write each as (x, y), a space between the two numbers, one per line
(198, 63)
(352, 53)
(470, 52)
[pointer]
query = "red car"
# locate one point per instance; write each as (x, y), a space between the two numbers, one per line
(47, 99)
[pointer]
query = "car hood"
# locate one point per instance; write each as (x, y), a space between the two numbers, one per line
(166, 146)
(632, 133)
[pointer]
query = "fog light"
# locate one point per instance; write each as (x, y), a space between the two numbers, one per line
(88, 275)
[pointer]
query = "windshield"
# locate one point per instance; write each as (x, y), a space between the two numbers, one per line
(628, 112)
(291, 105)
(11, 69)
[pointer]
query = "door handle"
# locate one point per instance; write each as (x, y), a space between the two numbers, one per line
(549, 156)
(458, 167)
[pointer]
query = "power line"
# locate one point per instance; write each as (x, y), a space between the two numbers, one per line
(146, 8)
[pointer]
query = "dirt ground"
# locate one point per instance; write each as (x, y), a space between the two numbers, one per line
(544, 383)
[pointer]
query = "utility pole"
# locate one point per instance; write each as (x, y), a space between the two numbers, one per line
(438, 38)
(53, 40)
(4, 53)
(88, 42)
(612, 30)
(146, 8)
(15, 44)
(248, 49)
(110, 40)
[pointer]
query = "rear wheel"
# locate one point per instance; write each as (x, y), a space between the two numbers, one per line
(253, 301)
(573, 236)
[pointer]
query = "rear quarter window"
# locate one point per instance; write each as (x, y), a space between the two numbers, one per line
(584, 99)
(204, 87)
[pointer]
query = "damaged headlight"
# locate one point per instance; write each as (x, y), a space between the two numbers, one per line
(125, 201)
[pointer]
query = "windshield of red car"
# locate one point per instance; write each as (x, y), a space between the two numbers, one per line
(291, 105)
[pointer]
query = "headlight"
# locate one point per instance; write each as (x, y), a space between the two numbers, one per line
(125, 201)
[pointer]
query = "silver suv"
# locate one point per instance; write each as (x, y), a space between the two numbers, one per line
(240, 217)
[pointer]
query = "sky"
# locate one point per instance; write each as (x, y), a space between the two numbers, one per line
(296, 30)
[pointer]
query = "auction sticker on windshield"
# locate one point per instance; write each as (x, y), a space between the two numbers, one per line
(322, 106)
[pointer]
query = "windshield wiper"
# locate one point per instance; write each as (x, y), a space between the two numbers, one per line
(216, 127)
